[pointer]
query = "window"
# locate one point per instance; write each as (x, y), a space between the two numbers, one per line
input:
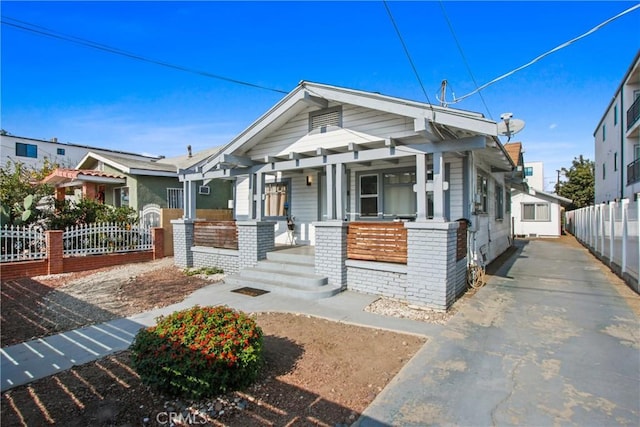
(276, 199)
(604, 171)
(368, 195)
(615, 114)
(323, 118)
(26, 150)
(121, 197)
(615, 162)
(175, 198)
(528, 171)
(399, 197)
(499, 202)
(482, 194)
(636, 152)
(535, 212)
(604, 132)
(60, 151)
(507, 205)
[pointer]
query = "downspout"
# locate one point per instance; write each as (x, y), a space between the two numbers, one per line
(622, 165)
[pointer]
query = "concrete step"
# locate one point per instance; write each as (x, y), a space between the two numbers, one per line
(288, 257)
(281, 288)
(302, 279)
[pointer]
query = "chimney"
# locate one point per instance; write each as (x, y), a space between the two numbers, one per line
(54, 139)
(189, 150)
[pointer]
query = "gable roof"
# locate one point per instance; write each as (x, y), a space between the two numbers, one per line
(514, 150)
(546, 196)
(64, 176)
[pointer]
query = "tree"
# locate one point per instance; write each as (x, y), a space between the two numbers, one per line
(20, 191)
(580, 183)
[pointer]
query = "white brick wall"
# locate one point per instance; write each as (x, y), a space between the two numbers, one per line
(226, 259)
(182, 242)
(331, 251)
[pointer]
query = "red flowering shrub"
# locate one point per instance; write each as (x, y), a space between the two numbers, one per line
(200, 351)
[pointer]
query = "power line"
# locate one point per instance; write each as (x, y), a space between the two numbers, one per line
(406, 51)
(538, 58)
(26, 26)
(464, 58)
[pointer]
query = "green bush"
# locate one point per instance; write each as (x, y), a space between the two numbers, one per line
(201, 351)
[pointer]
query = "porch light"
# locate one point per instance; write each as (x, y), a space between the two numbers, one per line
(309, 179)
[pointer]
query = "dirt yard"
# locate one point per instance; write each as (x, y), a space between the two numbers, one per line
(317, 372)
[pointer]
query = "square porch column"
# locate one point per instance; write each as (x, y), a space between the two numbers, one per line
(435, 275)
(331, 251)
(255, 239)
(182, 242)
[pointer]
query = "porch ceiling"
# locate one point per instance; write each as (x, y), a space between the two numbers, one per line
(334, 138)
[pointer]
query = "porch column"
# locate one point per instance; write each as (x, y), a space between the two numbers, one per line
(436, 270)
(438, 187)
(252, 188)
(421, 187)
(89, 190)
(259, 197)
(189, 200)
(255, 239)
(331, 251)
(341, 191)
(331, 214)
(182, 242)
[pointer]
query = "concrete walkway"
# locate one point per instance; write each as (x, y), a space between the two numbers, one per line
(32, 360)
(549, 341)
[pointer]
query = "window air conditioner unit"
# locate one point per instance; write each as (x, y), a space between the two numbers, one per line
(204, 189)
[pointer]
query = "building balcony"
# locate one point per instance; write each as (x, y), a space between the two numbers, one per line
(633, 114)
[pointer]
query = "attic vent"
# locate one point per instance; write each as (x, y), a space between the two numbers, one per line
(204, 189)
(324, 118)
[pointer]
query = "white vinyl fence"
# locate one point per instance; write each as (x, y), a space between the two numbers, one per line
(104, 238)
(611, 232)
(22, 243)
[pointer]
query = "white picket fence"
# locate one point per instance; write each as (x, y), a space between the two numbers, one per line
(103, 238)
(21, 243)
(29, 243)
(611, 231)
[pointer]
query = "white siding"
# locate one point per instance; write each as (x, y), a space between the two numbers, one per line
(456, 190)
(534, 228)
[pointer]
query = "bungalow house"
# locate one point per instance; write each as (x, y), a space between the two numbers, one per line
(383, 195)
(137, 182)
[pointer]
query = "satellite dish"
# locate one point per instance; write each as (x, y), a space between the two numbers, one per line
(508, 126)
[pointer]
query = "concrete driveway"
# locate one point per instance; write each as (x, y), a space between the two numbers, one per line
(551, 340)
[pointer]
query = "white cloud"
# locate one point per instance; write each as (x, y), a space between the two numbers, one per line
(553, 126)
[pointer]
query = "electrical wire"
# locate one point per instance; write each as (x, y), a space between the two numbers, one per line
(406, 51)
(26, 26)
(464, 58)
(538, 58)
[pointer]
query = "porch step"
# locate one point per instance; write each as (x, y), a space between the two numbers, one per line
(287, 273)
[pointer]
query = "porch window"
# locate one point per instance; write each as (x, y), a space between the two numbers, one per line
(121, 197)
(399, 197)
(499, 202)
(482, 194)
(276, 199)
(369, 195)
(175, 198)
(535, 212)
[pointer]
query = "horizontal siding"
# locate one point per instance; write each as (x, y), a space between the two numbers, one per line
(456, 190)
(242, 197)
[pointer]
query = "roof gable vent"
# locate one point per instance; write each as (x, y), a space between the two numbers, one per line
(325, 118)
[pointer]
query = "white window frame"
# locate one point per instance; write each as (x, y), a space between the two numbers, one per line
(118, 197)
(535, 212)
(175, 198)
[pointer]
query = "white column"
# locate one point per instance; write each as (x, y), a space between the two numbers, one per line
(421, 187)
(341, 191)
(252, 191)
(259, 196)
(438, 187)
(331, 213)
(624, 205)
(189, 200)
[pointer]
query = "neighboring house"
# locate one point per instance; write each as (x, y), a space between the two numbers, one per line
(617, 142)
(537, 213)
(138, 182)
(32, 152)
(534, 175)
(335, 159)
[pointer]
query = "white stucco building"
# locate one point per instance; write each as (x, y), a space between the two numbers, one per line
(617, 141)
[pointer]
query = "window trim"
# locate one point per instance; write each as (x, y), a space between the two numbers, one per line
(535, 211)
(117, 201)
(482, 189)
(179, 199)
(499, 201)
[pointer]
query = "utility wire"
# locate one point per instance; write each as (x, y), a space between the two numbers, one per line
(464, 58)
(26, 26)
(406, 51)
(562, 46)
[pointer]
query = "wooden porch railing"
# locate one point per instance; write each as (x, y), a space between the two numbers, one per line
(377, 241)
(216, 234)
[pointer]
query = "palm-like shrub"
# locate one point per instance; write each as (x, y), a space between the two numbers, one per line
(201, 351)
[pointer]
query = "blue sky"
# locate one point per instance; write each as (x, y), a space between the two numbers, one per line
(55, 88)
